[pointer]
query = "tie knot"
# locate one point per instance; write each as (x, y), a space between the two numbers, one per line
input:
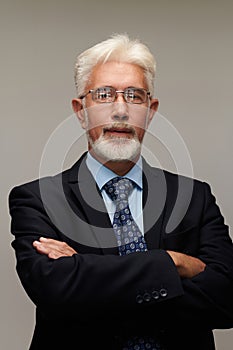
(119, 188)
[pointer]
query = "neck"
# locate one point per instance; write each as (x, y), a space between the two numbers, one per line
(118, 167)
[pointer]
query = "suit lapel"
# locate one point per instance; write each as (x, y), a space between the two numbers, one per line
(95, 214)
(154, 198)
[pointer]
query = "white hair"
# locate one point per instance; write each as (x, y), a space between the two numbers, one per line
(120, 48)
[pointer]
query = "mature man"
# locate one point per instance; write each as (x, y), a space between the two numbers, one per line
(92, 246)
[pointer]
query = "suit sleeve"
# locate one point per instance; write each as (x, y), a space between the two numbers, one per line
(75, 286)
(145, 283)
(208, 297)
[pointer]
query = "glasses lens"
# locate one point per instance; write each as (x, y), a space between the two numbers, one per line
(107, 94)
(103, 94)
(133, 95)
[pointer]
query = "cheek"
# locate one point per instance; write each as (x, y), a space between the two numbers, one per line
(139, 122)
(138, 116)
(140, 133)
(99, 114)
(95, 122)
(94, 133)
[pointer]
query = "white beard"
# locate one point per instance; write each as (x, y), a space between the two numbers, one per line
(116, 148)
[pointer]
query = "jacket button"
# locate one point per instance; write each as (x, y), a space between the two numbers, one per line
(146, 297)
(155, 294)
(163, 292)
(139, 299)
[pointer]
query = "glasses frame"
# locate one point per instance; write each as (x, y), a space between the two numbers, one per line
(92, 92)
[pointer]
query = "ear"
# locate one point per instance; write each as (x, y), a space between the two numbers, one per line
(79, 111)
(154, 104)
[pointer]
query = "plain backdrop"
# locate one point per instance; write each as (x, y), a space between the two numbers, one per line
(192, 43)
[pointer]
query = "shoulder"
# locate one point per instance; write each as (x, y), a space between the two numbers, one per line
(51, 183)
(180, 187)
(173, 178)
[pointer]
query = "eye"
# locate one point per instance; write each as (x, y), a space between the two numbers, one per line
(102, 94)
(136, 95)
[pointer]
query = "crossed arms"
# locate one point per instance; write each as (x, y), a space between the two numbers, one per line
(55, 272)
(187, 266)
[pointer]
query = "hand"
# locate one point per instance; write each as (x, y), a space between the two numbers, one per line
(52, 248)
(187, 266)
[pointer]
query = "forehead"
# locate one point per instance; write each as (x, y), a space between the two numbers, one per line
(117, 74)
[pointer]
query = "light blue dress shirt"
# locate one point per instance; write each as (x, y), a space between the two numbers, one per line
(102, 175)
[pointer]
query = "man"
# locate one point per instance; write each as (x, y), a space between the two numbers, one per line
(93, 248)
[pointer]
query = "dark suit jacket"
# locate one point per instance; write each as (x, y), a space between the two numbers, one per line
(80, 300)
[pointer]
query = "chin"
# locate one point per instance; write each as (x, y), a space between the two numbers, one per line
(117, 149)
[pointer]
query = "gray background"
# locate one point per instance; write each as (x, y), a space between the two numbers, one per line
(192, 42)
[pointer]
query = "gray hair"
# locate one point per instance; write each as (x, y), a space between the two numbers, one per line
(120, 48)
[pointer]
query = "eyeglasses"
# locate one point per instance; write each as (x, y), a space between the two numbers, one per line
(108, 94)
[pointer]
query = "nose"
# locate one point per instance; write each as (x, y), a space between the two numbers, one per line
(120, 96)
(120, 108)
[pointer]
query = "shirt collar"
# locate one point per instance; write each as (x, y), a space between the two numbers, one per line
(102, 174)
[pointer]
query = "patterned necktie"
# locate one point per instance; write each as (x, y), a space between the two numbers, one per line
(128, 234)
(129, 240)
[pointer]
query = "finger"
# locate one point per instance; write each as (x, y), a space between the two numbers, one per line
(52, 248)
(40, 247)
(55, 255)
(49, 241)
(61, 247)
(43, 239)
(53, 243)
